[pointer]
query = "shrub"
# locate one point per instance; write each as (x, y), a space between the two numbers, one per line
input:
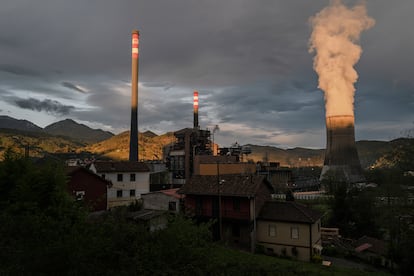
(316, 258)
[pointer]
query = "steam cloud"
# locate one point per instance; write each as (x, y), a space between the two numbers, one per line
(336, 32)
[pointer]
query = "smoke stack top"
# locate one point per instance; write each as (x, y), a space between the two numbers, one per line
(336, 32)
(195, 105)
(135, 43)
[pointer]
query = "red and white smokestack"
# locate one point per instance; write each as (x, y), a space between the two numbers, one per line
(195, 105)
(133, 139)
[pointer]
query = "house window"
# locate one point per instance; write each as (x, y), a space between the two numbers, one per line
(294, 232)
(132, 193)
(236, 204)
(172, 206)
(119, 193)
(80, 195)
(272, 230)
(132, 177)
(119, 177)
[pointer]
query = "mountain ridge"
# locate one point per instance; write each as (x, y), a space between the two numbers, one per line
(13, 123)
(66, 128)
(151, 145)
(74, 130)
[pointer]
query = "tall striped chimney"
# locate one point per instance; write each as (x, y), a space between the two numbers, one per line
(133, 138)
(195, 105)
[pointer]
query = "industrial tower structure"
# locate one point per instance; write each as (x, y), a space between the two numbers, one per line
(341, 156)
(133, 138)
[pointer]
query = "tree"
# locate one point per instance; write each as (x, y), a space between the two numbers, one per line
(353, 209)
(44, 231)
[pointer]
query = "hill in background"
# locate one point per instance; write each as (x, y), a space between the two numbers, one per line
(70, 136)
(150, 146)
(70, 128)
(7, 122)
(66, 128)
(369, 152)
(37, 143)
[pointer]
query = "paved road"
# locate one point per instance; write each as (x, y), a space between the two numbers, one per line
(349, 264)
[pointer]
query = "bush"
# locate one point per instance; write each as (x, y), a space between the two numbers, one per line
(316, 258)
(260, 249)
(331, 251)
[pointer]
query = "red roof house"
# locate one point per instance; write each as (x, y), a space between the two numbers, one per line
(85, 185)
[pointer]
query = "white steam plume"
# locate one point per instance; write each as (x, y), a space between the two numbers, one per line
(336, 31)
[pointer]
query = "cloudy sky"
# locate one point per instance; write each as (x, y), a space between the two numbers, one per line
(249, 60)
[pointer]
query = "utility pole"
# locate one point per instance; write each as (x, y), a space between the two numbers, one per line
(219, 201)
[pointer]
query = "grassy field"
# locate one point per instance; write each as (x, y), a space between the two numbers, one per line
(232, 262)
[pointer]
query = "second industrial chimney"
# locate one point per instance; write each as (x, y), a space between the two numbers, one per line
(341, 156)
(195, 105)
(133, 138)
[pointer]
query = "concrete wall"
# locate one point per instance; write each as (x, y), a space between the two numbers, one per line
(140, 185)
(159, 201)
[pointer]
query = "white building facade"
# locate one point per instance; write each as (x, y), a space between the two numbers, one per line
(129, 180)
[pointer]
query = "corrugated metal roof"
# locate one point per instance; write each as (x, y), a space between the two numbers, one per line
(363, 247)
(376, 246)
(173, 193)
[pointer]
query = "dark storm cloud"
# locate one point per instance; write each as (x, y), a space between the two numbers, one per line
(267, 103)
(17, 70)
(163, 85)
(72, 86)
(46, 105)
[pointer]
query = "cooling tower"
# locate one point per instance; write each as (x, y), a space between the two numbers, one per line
(195, 105)
(133, 138)
(341, 156)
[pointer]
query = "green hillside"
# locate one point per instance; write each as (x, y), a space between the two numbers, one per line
(150, 146)
(36, 142)
(371, 153)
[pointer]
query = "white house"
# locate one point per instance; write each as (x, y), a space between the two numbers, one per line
(129, 180)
